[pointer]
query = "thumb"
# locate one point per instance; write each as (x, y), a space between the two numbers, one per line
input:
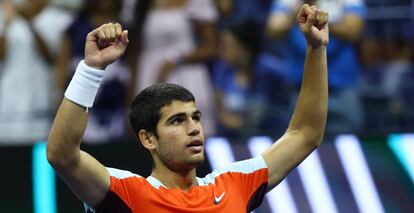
(124, 39)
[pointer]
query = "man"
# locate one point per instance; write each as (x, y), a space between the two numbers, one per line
(174, 137)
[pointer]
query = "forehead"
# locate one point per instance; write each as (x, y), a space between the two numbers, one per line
(177, 107)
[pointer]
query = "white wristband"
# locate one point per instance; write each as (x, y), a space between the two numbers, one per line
(84, 85)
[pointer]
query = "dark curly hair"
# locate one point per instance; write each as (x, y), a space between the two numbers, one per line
(144, 112)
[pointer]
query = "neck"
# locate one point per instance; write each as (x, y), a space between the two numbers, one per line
(173, 179)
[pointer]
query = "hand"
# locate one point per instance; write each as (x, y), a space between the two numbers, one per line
(166, 68)
(105, 45)
(314, 25)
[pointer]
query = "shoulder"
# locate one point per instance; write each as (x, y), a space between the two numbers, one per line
(120, 174)
(123, 180)
(124, 187)
(124, 184)
(250, 167)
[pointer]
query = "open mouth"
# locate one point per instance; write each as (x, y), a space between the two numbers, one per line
(195, 145)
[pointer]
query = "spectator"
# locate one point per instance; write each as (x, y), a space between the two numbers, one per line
(29, 38)
(251, 14)
(239, 107)
(168, 50)
(386, 56)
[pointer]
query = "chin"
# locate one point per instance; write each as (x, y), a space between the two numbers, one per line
(197, 160)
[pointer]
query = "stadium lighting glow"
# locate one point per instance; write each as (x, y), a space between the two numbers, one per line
(219, 152)
(315, 185)
(358, 174)
(403, 146)
(280, 198)
(44, 192)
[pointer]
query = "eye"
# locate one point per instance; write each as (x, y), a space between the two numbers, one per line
(197, 117)
(177, 121)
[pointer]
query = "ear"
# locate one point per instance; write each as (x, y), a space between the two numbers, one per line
(147, 139)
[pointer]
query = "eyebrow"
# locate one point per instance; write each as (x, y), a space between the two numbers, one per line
(183, 114)
(197, 112)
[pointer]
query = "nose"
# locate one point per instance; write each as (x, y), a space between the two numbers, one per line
(194, 127)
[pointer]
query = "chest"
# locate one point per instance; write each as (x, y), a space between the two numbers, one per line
(211, 198)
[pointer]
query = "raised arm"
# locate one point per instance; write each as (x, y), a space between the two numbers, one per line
(87, 178)
(307, 125)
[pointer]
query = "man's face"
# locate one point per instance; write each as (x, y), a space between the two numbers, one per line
(180, 142)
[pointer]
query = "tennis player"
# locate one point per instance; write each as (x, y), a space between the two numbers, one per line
(166, 120)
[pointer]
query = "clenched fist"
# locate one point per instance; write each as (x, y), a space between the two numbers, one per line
(105, 45)
(314, 25)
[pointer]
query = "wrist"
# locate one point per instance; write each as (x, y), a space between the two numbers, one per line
(317, 47)
(94, 65)
(313, 44)
(316, 50)
(84, 85)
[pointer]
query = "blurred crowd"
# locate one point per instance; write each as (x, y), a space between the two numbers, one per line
(242, 59)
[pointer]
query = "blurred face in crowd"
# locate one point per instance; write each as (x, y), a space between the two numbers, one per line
(232, 50)
(180, 141)
(106, 5)
(229, 47)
